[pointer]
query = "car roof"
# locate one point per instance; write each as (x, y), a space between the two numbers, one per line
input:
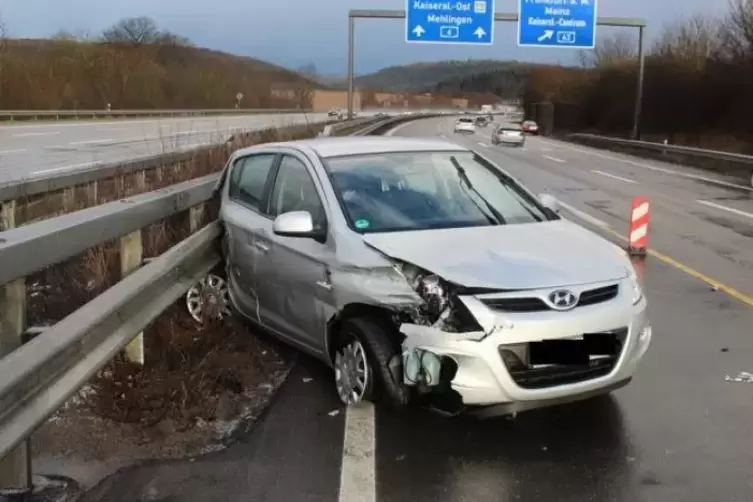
(363, 145)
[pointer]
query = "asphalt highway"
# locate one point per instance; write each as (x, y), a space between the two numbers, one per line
(46, 147)
(679, 432)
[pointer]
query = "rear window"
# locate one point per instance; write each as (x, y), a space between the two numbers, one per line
(509, 127)
(466, 121)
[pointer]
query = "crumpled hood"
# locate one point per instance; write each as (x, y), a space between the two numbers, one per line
(526, 256)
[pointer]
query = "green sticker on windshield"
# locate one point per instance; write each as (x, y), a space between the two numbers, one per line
(362, 224)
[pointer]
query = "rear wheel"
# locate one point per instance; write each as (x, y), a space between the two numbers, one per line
(362, 364)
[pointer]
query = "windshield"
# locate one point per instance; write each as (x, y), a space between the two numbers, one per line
(423, 190)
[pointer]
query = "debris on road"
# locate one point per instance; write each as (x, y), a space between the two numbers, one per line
(742, 377)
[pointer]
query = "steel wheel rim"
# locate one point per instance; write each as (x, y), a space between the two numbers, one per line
(351, 372)
(208, 297)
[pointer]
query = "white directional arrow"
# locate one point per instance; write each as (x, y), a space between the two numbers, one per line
(418, 30)
(546, 36)
(479, 32)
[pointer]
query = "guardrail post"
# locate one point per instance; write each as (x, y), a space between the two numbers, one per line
(195, 217)
(15, 468)
(131, 257)
(69, 199)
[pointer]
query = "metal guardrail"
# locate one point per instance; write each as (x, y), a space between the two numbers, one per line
(38, 377)
(735, 164)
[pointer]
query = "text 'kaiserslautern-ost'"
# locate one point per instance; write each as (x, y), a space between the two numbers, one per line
(557, 23)
(458, 22)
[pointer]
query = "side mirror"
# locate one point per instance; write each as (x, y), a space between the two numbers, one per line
(549, 202)
(296, 224)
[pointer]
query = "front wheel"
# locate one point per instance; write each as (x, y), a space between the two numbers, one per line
(362, 364)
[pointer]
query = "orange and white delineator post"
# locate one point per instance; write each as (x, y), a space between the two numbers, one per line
(638, 231)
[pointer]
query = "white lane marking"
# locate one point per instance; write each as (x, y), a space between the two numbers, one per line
(657, 168)
(66, 168)
(92, 141)
(725, 208)
(584, 216)
(18, 150)
(614, 177)
(555, 159)
(357, 477)
(25, 134)
(182, 133)
(483, 144)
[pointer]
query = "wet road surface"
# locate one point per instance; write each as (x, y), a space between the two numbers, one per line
(680, 431)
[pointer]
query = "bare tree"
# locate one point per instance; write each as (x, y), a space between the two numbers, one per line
(694, 40)
(142, 31)
(612, 50)
(134, 30)
(304, 94)
(172, 39)
(736, 31)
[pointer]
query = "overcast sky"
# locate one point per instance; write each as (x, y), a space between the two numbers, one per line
(297, 32)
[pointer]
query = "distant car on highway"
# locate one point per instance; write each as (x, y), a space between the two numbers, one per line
(508, 134)
(530, 127)
(465, 125)
(422, 272)
(481, 121)
(333, 112)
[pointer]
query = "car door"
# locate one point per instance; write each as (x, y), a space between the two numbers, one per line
(247, 228)
(303, 297)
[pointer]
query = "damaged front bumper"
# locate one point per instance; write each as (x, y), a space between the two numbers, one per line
(526, 360)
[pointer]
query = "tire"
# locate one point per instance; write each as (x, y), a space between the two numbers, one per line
(382, 387)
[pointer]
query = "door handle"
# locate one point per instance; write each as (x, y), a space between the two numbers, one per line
(261, 247)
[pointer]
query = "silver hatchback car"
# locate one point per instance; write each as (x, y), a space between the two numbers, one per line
(509, 134)
(421, 272)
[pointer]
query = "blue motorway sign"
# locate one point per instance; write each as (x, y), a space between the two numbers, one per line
(449, 21)
(557, 23)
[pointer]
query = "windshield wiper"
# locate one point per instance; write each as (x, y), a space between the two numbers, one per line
(496, 216)
(520, 200)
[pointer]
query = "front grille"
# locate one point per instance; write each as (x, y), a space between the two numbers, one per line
(598, 295)
(533, 304)
(549, 363)
(515, 304)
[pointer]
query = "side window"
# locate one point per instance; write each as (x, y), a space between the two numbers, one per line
(295, 191)
(249, 176)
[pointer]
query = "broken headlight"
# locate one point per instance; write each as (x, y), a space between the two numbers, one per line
(433, 291)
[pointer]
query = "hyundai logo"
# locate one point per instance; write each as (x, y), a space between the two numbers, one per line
(562, 299)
